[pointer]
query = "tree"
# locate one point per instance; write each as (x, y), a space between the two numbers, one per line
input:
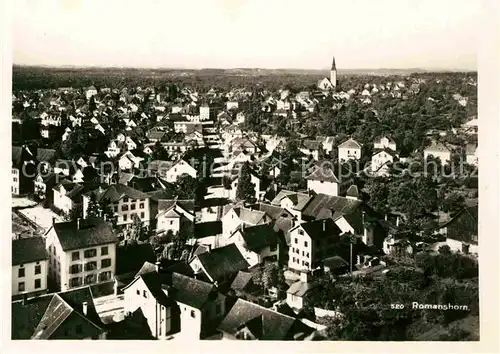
(246, 189)
(180, 239)
(186, 186)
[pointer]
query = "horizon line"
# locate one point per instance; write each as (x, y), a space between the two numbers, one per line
(70, 66)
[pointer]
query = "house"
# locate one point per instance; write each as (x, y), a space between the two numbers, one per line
(249, 321)
(397, 245)
(323, 180)
(23, 165)
(44, 183)
(293, 202)
(63, 315)
(91, 91)
(236, 216)
(385, 142)
(350, 214)
(81, 252)
(29, 266)
(471, 154)
(175, 303)
(296, 295)
(231, 105)
(311, 242)
(219, 265)
(256, 243)
(310, 148)
(129, 161)
(381, 158)
(462, 231)
(67, 196)
(243, 144)
(349, 149)
(179, 168)
(173, 213)
(125, 201)
(155, 135)
(438, 150)
(204, 112)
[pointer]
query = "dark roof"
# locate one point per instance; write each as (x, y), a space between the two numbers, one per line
(154, 281)
(386, 150)
(45, 154)
(335, 203)
(335, 262)
(205, 229)
(323, 174)
(273, 325)
(130, 258)
(464, 226)
(92, 232)
(27, 316)
(350, 144)
(223, 261)
(20, 154)
(27, 250)
(258, 237)
(311, 144)
(116, 192)
(321, 228)
(241, 281)
(300, 288)
(190, 291)
(186, 204)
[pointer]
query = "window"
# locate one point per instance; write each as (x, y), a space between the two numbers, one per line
(132, 207)
(75, 268)
(115, 208)
(171, 222)
(106, 263)
(75, 256)
(90, 253)
(145, 294)
(104, 276)
(303, 253)
(38, 283)
(138, 292)
(296, 240)
(20, 273)
(90, 279)
(125, 217)
(301, 232)
(307, 254)
(125, 199)
(74, 282)
(104, 250)
(305, 244)
(20, 286)
(90, 266)
(124, 207)
(193, 314)
(142, 215)
(38, 269)
(141, 206)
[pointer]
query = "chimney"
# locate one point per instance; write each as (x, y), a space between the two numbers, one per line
(84, 308)
(78, 223)
(157, 267)
(53, 220)
(324, 225)
(25, 299)
(209, 248)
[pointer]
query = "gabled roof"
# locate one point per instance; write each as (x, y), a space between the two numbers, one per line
(436, 146)
(353, 191)
(26, 317)
(27, 250)
(350, 144)
(222, 262)
(323, 173)
(116, 192)
(258, 237)
(241, 281)
(299, 199)
(319, 229)
(386, 150)
(273, 325)
(169, 204)
(300, 288)
(190, 291)
(249, 216)
(92, 232)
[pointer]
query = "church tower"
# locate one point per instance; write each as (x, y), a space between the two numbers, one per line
(333, 73)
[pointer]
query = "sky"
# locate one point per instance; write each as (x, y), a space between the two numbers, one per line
(361, 34)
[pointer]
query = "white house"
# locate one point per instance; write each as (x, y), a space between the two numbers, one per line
(29, 266)
(382, 157)
(91, 91)
(349, 149)
(256, 243)
(81, 252)
(385, 142)
(178, 169)
(128, 161)
(231, 104)
(437, 149)
(66, 196)
(323, 180)
(172, 213)
(238, 216)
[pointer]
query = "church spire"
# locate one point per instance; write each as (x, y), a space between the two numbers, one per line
(334, 67)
